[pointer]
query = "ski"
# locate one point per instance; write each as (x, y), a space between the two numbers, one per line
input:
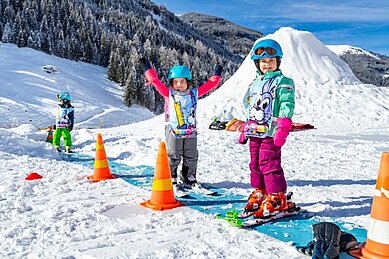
(64, 155)
(279, 215)
(183, 190)
(179, 191)
(198, 188)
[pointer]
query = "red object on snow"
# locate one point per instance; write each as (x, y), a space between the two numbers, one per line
(33, 176)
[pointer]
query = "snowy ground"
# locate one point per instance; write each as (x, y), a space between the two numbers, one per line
(331, 170)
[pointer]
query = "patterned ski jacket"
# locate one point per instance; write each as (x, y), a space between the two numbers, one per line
(268, 97)
(180, 107)
(65, 116)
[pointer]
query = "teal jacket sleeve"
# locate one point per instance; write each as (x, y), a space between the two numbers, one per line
(285, 100)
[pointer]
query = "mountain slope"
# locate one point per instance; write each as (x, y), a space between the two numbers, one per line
(28, 93)
(237, 39)
(370, 68)
(115, 34)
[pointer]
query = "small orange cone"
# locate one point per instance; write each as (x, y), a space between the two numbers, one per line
(377, 243)
(33, 176)
(162, 194)
(101, 166)
(50, 135)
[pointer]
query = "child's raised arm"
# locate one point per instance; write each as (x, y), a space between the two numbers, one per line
(212, 82)
(152, 77)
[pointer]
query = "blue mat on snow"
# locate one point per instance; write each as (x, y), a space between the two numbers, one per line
(296, 229)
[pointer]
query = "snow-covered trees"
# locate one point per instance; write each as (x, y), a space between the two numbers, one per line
(115, 34)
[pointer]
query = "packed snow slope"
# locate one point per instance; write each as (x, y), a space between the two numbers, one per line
(28, 92)
(331, 170)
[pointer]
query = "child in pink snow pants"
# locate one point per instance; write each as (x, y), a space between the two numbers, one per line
(269, 104)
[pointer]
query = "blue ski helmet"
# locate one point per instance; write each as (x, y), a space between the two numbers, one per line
(266, 48)
(180, 72)
(65, 96)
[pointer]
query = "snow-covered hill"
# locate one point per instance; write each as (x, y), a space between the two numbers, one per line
(331, 170)
(327, 93)
(28, 93)
(343, 49)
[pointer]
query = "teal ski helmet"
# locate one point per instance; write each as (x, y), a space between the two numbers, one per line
(266, 48)
(179, 72)
(65, 96)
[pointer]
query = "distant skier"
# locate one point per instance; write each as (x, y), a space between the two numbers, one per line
(64, 122)
(269, 104)
(180, 116)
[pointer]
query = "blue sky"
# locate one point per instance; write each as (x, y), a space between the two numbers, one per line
(363, 24)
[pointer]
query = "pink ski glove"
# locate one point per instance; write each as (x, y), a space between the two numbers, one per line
(282, 132)
(151, 75)
(242, 138)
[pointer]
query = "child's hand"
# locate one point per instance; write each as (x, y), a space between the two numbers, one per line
(242, 138)
(282, 132)
(144, 64)
(150, 73)
(218, 70)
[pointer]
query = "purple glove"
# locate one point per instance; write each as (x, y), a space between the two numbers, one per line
(144, 64)
(242, 138)
(218, 70)
(282, 132)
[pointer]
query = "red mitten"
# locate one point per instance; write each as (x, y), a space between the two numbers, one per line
(242, 138)
(282, 132)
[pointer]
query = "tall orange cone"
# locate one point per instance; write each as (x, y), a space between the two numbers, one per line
(377, 243)
(162, 194)
(50, 134)
(101, 166)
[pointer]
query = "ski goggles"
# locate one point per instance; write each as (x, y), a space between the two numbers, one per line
(264, 52)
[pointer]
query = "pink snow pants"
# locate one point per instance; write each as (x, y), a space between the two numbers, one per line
(265, 165)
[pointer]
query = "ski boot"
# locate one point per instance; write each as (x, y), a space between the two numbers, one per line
(273, 204)
(254, 202)
(58, 148)
(68, 150)
(189, 181)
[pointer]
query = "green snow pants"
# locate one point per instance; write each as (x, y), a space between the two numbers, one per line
(67, 138)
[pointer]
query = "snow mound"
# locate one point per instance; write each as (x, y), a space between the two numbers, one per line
(328, 94)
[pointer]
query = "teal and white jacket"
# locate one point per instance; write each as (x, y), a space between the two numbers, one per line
(64, 118)
(268, 97)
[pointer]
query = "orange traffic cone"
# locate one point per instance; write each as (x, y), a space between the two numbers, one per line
(101, 166)
(50, 135)
(377, 243)
(162, 194)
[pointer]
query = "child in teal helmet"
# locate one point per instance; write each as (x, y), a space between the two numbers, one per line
(64, 122)
(180, 117)
(269, 103)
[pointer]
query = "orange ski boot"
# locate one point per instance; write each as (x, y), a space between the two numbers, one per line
(255, 200)
(273, 204)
